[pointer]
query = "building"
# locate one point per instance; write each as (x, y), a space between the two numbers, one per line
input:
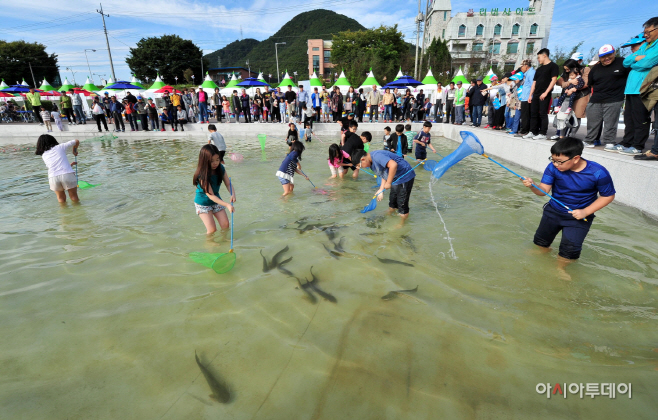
(497, 37)
(225, 73)
(319, 58)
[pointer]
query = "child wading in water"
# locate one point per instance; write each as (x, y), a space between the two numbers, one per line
(289, 166)
(293, 134)
(207, 179)
(218, 140)
(584, 186)
(60, 173)
(339, 160)
(390, 168)
(423, 140)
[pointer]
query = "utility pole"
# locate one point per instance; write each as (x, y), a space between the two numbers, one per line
(107, 41)
(249, 67)
(419, 19)
(201, 66)
(422, 51)
(278, 75)
(33, 79)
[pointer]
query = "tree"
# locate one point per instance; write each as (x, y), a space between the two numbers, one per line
(437, 57)
(383, 49)
(168, 55)
(16, 58)
(559, 56)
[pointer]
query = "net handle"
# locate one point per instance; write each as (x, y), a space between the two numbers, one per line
(230, 190)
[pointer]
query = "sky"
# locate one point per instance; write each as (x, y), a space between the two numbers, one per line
(69, 27)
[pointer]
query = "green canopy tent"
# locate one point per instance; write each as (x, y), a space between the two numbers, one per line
(157, 84)
(315, 80)
(487, 78)
(460, 77)
(25, 83)
(90, 86)
(260, 78)
(45, 86)
(233, 82)
(208, 83)
(429, 79)
(3, 85)
(370, 81)
(134, 81)
(287, 81)
(397, 76)
(66, 86)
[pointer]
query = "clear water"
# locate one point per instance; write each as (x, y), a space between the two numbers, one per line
(102, 311)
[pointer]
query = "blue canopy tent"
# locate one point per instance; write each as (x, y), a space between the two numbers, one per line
(403, 82)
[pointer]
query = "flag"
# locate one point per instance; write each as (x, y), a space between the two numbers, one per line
(269, 75)
(295, 73)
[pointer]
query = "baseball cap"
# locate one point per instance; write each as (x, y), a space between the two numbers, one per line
(479, 79)
(139, 97)
(635, 40)
(517, 76)
(577, 56)
(507, 75)
(107, 93)
(606, 50)
(459, 82)
(493, 77)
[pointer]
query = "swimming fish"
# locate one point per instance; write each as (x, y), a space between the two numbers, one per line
(389, 261)
(220, 392)
(314, 282)
(339, 246)
(375, 222)
(275, 259)
(305, 288)
(334, 254)
(407, 240)
(331, 232)
(395, 293)
(266, 266)
(283, 270)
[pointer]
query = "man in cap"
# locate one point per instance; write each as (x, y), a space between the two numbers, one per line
(489, 103)
(106, 107)
(608, 80)
(460, 100)
(528, 77)
(478, 99)
(635, 43)
(637, 118)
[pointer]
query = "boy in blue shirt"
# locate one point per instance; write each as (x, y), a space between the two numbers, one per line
(422, 140)
(391, 168)
(584, 186)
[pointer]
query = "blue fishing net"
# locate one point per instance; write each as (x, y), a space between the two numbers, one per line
(470, 144)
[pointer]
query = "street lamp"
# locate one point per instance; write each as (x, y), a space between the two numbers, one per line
(278, 75)
(90, 75)
(73, 73)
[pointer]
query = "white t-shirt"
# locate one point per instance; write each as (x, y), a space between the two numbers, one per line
(56, 160)
(218, 140)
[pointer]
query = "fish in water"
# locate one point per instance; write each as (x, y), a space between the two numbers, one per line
(371, 234)
(283, 270)
(275, 259)
(305, 288)
(220, 392)
(375, 222)
(331, 232)
(407, 240)
(395, 293)
(339, 246)
(333, 253)
(266, 266)
(389, 261)
(314, 285)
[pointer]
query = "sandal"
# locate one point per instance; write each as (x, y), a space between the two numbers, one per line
(646, 156)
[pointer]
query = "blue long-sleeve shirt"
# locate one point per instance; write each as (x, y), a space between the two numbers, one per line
(640, 69)
(528, 78)
(302, 96)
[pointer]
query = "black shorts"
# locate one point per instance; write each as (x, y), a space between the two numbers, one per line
(573, 231)
(399, 198)
(221, 155)
(421, 153)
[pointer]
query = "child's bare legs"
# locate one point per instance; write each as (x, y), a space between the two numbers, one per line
(562, 264)
(209, 222)
(61, 196)
(355, 175)
(342, 171)
(287, 189)
(73, 194)
(222, 219)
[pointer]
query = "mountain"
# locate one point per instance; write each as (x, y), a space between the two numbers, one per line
(316, 24)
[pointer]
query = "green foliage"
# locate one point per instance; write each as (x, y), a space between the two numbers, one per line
(232, 55)
(14, 59)
(187, 74)
(437, 57)
(559, 55)
(316, 24)
(168, 55)
(383, 49)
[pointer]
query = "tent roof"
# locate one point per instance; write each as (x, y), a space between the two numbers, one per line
(370, 80)
(460, 76)
(134, 81)
(157, 83)
(90, 86)
(342, 80)
(232, 83)
(287, 81)
(429, 79)
(45, 86)
(208, 83)
(397, 76)
(315, 80)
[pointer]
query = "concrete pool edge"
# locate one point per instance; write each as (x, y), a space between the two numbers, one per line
(633, 179)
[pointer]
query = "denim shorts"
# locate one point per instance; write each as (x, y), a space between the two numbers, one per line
(215, 208)
(283, 181)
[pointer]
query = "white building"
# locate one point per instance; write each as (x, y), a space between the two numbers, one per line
(500, 37)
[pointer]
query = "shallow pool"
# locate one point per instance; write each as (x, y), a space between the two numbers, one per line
(102, 311)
